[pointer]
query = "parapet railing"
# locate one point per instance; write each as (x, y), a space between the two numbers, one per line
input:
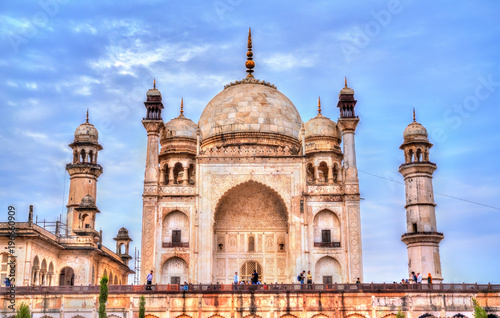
(264, 288)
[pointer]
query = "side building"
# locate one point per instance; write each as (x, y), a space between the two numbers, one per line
(67, 254)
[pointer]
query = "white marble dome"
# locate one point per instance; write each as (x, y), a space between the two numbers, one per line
(415, 131)
(250, 106)
(181, 127)
(86, 132)
(321, 126)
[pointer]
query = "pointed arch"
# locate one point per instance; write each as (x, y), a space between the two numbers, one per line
(178, 173)
(328, 269)
(175, 229)
(241, 191)
(310, 173)
(174, 270)
(323, 172)
(67, 276)
(327, 229)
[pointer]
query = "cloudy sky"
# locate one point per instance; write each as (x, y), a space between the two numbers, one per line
(59, 58)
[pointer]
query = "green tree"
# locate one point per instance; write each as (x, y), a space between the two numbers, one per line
(103, 297)
(23, 311)
(479, 312)
(142, 307)
(400, 314)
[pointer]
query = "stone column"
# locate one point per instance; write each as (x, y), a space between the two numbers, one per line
(330, 174)
(316, 173)
(171, 176)
(185, 177)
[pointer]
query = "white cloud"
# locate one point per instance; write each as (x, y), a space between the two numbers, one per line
(282, 62)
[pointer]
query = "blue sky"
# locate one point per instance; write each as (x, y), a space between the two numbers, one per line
(59, 58)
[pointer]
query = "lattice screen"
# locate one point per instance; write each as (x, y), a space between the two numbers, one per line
(247, 270)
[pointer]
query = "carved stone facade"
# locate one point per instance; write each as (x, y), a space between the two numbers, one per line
(251, 187)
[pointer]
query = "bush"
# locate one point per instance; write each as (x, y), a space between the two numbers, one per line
(23, 311)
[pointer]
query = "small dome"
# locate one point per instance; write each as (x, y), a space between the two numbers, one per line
(181, 127)
(250, 106)
(415, 131)
(321, 126)
(153, 92)
(88, 202)
(122, 235)
(86, 132)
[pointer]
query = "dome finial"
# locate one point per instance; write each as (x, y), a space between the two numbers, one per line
(319, 105)
(345, 82)
(87, 121)
(414, 117)
(250, 64)
(154, 83)
(182, 106)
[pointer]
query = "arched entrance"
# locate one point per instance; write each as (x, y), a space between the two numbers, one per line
(251, 229)
(327, 271)
(67, 277)
(174, 271)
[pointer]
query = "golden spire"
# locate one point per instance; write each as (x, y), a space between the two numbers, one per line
(414, 117)
(345, 81)
(319, 105)
(182, 106)
(154, 83)
(250, 64)
(87, 121)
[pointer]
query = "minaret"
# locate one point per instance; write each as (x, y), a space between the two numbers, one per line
(83, 172)
(122, 245)
(347, 124)
(421, 237)
(153, 124)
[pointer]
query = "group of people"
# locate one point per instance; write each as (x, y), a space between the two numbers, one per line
(417, 279)
(305, 278)
(254, 280)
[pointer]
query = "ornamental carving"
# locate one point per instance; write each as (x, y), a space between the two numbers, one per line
(177, 190)
(250, 151)
(249, 206)
(150, 189)
(278, 183)
(354, 240)
(325, 189)
(148, 218)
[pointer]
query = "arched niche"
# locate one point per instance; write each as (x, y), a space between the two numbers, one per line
(328, 271)
(175, 229)
(174, 271)
(326, 227)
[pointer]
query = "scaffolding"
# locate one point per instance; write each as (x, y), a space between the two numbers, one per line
(137, 267)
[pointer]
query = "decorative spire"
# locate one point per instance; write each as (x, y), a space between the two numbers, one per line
(250, 64)
(345, 81)
(87, 121)
(182, 106)
(414, 117)
(319, 105)
(154, 83)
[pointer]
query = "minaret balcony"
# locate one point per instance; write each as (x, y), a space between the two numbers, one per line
(422, 237)
(85, 231)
